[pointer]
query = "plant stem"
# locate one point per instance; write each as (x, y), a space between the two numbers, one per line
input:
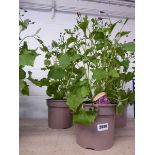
(31, 36)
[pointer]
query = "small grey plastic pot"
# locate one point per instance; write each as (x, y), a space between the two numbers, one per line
(121, 119)
(99, 135)
(59, 115)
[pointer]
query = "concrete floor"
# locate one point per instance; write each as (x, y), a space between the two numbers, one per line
(37, 139)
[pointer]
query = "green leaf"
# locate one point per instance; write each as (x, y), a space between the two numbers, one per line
(126, 20)
(54, 44)
(99, 46)
(80, 71)
(56, 90)
(34, 81)
(84, 117)
(122, 94)
(56, 73)
(48, 55)
(131, 96)
(74, 99)
(52, 89)
(120, 51)
(40, 83)
(44, 48)
(71, 51)
(40, 41)
(89, 50)
(120, 107)
(84, 24)
(85, 91)
(44, 82)
(113, 73)
(125, 63)
(20, 28)
(130, 46)
(47, 62)
(122, 33)
(71, 40)
(75, 57)
(99, 74)
(68, 31)
(23, 87)
(27, 57)
(129, 76)
(22, 73)
(112, 26)
(64, 60)
(24, 24)
(99, 36)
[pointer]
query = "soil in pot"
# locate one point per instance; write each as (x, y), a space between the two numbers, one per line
(99, 135)
(121, 119)
(59, 115)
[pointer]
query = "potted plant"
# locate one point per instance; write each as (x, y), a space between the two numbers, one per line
(100, 57)
(26, 55)
(60, 63)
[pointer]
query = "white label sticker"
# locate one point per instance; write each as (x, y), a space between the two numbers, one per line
(102, 127)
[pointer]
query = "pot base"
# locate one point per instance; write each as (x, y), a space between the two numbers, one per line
(59, 115)
(99, 135)
(121, 120)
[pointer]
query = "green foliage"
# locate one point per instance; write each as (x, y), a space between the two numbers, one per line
(71, 40)
(22, 73)
(99, 74)
(122, 33)
(64, 60)
(54, 44)
(83, 24)
(23, 24)
(87, 63)
(60, 63)
(53, 90)
(40, 83)
(27, 56)
(84, 91)
(129, 76)
(78, 91)
(113, 73)
(23, 87)
(129, 46)
(47, 62)
(56, 73)
(84, 117)
(120, 107)
(74, 100)
(106, 63)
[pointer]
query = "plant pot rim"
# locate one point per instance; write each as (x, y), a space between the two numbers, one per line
(56, 100)
(103, 109)
(105, 105)
(56, 103)
(100, 105)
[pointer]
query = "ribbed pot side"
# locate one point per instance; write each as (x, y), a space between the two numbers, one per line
(121, 120)
(59, 115)
(99, 135)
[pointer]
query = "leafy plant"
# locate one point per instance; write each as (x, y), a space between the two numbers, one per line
(85, 61)
(62, 64)
(26, 55)
(106, 61)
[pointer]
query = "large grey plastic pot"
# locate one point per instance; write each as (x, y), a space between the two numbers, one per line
(59, 115)
(121, 120)
(99, 135)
